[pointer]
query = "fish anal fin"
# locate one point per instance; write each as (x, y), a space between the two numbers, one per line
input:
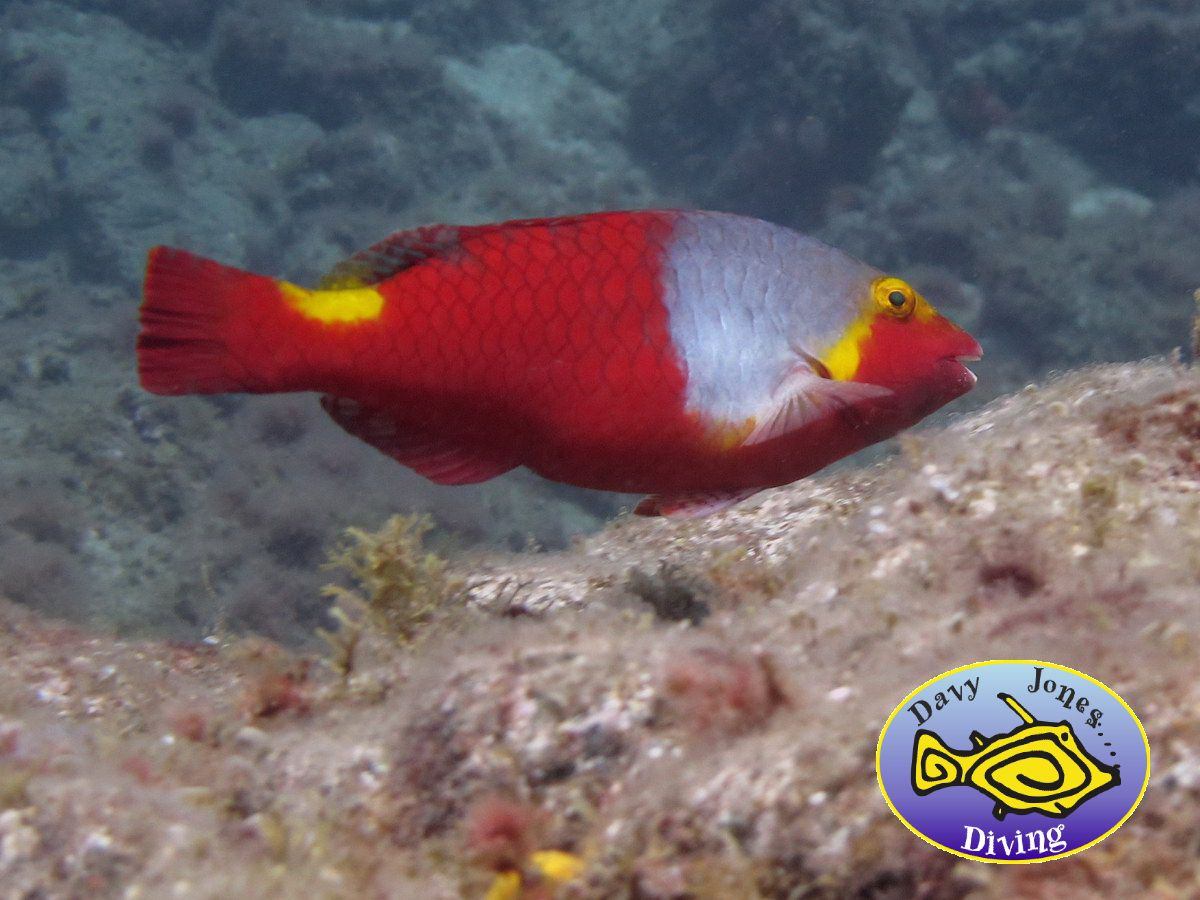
(999, 812)
(441, 460)
(691, 506)
(806, 394)
(396, 252)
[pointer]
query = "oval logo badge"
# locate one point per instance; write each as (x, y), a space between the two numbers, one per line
(1013, 761)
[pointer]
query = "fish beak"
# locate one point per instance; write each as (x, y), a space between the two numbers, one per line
(967, 350)
(966, 358)
(974, 356)
(970, 351)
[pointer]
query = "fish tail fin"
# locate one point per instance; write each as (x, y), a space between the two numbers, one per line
(934, 764)
(203, 327)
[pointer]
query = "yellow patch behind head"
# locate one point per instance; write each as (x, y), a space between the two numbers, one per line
(844, 355)
(344, 306)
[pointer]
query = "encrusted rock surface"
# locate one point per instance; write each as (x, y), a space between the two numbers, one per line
(692, 708)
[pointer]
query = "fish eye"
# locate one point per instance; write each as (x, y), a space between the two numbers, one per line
(894, 297)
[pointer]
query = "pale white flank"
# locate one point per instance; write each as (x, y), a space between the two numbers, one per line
(747, 301)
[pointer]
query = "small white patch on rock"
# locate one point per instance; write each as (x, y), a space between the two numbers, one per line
(19, 840)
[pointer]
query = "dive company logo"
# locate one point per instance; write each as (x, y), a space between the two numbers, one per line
(1013, 761)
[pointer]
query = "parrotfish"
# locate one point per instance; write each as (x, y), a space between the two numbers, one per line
(1036, 767)
(698, 357)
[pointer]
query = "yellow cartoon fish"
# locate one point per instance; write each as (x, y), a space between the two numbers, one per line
(1036, 767)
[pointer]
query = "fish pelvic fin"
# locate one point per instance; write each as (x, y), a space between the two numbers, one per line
(934, 764)
(999, 812)
(691, 506)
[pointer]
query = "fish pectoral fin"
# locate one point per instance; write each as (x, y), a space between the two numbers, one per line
(806, 394)
(441, 460)
(690, 506)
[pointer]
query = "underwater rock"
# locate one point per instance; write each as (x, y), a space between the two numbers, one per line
(175, 20)
(1126, 64)
(932, 138)
(30, 201)
(1060, 523)
(782, 105)
(334, 71)
(532, 89)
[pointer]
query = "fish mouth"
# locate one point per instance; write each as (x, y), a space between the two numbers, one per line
(958, 378)
(966, 358)
(964, 350)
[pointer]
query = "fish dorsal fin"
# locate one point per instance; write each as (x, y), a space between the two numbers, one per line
(393, 254)
(402, 249)
(977, 739)
(691, 506)
(805, 394)
(440, 460)
(1016, 707)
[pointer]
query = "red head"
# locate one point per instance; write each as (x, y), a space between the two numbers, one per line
(902, 343)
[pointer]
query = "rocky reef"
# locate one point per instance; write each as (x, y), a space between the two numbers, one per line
(1030, 166)
(689, 710)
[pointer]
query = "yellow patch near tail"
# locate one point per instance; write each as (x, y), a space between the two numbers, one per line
(843, 357)
(344, 306)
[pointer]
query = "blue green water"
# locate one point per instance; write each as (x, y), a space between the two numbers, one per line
(1031, 166)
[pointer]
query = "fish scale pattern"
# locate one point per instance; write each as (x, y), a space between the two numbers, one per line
(610, 350)
(557, 324)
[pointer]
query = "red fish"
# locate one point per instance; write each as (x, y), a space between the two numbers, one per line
(698, 357)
